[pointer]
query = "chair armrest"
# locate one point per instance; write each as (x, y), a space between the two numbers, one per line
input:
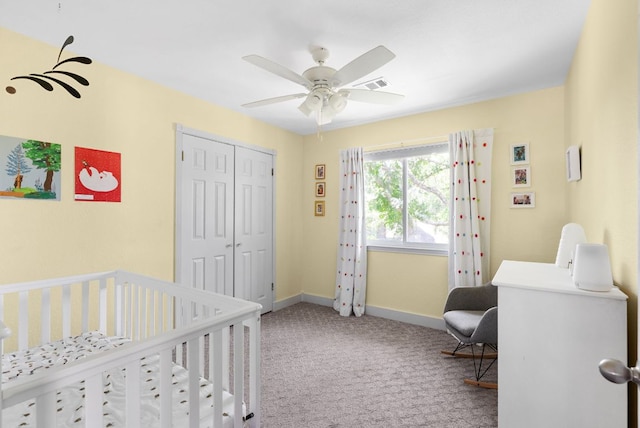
(487, 330)
(478, 298)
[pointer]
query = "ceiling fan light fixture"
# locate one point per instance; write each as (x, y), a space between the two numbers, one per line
(326, 97)
(314, 101)
(304, 109)
(337, 102)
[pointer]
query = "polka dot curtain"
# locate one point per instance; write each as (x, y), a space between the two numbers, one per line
(470, 207)
(351, 276)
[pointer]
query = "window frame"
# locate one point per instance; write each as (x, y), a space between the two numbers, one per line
(403, 154)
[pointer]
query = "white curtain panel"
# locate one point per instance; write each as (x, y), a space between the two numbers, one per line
(351, 276)
(470, 207)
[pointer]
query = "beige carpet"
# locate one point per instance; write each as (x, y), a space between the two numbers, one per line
(323, 370)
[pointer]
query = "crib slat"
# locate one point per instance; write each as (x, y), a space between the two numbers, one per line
(85, 306)
(128, 293)
(201, 350)
(131, 312)
(23, 333)
(93, 401)
(102, 303)
(143, 312)
(132, 407)
(194, 382)
(238, 373)
(66, 310)
(46, 410)
(153, 295)
(216, 375)
(135, 311)
(226, 348)
(254, 368)
(119, 304)
(166, 398)
(45, 316)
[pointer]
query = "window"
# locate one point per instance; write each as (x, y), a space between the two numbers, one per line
(407, 198)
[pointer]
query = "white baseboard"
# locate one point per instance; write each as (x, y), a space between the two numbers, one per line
(289, 301)
(375, 311)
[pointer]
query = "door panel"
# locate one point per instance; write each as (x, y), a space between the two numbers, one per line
(254, 219)
(207, 220)
(225, 235)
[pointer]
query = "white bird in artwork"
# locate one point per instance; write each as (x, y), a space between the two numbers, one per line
(97, 181)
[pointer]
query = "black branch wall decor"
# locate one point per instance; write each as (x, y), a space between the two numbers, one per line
(46, 78)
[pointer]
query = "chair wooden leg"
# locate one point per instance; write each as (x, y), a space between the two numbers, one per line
(479, 371)
(478, 361)
(493, 355)
(481, 384)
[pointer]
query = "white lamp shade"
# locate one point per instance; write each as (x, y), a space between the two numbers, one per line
(337, 102)
(572, 235)
(591, 268)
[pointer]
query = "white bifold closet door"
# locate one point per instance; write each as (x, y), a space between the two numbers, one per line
(225, 211)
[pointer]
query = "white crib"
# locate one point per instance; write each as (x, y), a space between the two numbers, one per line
(159, 354)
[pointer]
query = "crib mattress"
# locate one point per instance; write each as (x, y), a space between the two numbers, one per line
(70, 400)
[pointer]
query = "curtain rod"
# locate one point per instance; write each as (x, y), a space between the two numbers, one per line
(410, 143)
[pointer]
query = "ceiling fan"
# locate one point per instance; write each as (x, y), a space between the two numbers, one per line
(326, 96)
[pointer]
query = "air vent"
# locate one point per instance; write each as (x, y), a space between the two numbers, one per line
(374, 84)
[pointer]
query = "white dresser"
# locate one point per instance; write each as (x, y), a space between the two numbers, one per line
(551, 338)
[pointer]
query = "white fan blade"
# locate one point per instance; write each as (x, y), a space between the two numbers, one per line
(278, 70)
(363, 65)
(274, 100)
(373, 97)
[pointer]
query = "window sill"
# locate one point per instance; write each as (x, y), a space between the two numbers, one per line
(409, 250)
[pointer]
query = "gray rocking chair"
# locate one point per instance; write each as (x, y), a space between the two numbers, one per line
(471, 316)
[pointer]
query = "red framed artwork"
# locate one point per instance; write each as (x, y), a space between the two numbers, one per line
(98, 175)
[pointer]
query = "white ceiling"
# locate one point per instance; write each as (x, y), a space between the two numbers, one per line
(448, 52)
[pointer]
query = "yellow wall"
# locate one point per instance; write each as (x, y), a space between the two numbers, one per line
(418, 283)
(122, 113)
(602, 112)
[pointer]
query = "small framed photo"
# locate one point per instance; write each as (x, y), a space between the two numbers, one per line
(320, 170)
(320, 185)
(519, 154)
(319, 208)
(521, 176)
(523, 200)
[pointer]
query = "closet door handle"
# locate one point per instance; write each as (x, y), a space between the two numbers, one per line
(228, 246)
(238, 244)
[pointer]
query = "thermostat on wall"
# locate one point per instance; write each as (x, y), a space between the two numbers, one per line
(573, 163)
